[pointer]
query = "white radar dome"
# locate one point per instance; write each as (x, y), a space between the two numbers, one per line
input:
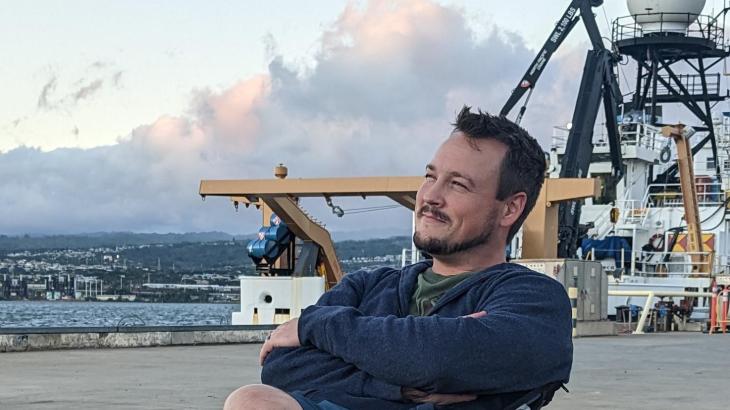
(672, 16)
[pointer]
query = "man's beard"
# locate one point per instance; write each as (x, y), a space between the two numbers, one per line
(444, 247)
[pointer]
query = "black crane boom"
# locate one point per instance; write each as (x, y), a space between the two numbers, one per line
(562, 28)
(598, 85)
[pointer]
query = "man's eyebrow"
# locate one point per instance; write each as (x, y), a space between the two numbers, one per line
(460, 175)
(453, 174)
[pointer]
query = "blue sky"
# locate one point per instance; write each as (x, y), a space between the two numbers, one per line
(150, 56)
(162, 49)
(112, 112)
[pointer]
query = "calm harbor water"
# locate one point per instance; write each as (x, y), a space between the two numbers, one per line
(80, 314)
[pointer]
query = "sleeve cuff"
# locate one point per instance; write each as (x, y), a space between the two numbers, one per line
(305, 325)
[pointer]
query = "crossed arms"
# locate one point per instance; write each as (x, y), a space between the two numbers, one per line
(345, 350)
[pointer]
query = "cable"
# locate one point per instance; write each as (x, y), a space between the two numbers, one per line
(370, 207)
(721, 221)
(619, 65)
(724, 205)
(337, 210)
(605, 16)
(373, 209)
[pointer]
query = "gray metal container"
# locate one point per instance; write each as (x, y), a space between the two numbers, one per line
(587, 276)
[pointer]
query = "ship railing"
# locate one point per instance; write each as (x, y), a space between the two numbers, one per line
(723, 133)
(601, 227)
(632, 211)
(674, 264)
(670, 195)
(642, 135)
(561, 133)
(722, 264)
(560, 137)
(665, 25)
(636, 134)
(646, 204)
(695, 84)
(665, 264)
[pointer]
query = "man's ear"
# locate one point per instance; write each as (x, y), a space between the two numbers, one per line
(513, 207)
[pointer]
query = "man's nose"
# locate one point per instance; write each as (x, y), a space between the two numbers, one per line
(433, 194)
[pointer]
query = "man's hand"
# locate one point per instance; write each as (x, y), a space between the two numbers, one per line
(477, 315)
(439, 399)
(286, 335)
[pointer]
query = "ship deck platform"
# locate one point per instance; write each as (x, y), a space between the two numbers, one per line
(652, 371)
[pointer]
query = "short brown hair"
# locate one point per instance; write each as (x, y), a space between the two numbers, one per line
(523, 166)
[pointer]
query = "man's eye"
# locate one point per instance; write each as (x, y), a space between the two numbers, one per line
(459, 184)
(430, 177)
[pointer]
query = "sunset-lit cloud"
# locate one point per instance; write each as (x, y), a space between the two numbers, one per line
(386, 81)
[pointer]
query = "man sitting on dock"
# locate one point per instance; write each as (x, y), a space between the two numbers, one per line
(465, 330)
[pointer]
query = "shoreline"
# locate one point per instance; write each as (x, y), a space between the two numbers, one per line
(20, 339)
(115, 301)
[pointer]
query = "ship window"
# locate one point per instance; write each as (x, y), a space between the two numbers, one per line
(710, 163)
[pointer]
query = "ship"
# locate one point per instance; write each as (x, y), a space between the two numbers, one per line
(663, 225)
(636, 206)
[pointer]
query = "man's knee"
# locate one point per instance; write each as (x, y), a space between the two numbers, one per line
(260, 397)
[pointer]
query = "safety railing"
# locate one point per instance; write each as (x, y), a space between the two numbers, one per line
(693, 83)
(560, 137)
(636, 134)
(665, 264)
(668, 24)
(670, 195)
(672, 264)
(722, 133)
(642, 135)
(601, 226)
(632, 211)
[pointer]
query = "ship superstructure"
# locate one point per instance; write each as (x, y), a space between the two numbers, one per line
(640, 230)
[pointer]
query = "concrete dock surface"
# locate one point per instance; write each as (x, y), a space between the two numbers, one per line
(654, 371)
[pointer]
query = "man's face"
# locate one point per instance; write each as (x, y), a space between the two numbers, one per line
(456, 206)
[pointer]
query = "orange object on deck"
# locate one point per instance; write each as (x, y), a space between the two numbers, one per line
(719, 308)
(713, 307)
(724, 298)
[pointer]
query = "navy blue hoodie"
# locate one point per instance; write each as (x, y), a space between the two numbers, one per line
(360, 346)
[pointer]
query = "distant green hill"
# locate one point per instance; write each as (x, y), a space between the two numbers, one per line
(187, 249)
(106, 239)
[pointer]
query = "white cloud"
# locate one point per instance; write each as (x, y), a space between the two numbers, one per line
(48, 88)
(386, 82)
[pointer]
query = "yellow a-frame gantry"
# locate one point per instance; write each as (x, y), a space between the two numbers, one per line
(701, 262)
(280, 195)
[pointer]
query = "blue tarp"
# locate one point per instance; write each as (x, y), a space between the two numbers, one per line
(607, 248)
